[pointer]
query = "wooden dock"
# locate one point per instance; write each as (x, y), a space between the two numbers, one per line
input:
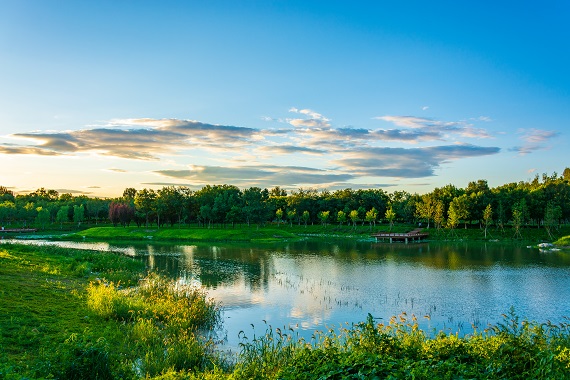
(412, 236)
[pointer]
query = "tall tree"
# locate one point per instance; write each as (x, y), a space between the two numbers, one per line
(390, 216)
(354, 217)
(426, 208)
(129, 194)
(324, 217)
(552, 216)
(291, 214)
(7, 212)
(453, 216)
(439, 216)
(341, 217)
(42, 219)
(371, 216)
(255, 207)
(78, 214)
(487, 217)
(306, 216)
(279, 216)
(145, 203)
(62, 216)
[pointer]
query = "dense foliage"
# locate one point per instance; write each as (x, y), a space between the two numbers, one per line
(542, 202)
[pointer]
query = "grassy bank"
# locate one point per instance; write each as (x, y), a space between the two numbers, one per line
(238, 234)
(89, 315)
(272, 233)
(563, 241)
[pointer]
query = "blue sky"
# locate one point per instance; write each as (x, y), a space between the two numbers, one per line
(103, 95)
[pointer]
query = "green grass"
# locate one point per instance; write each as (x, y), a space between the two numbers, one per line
(563, 241)
(243, 234)
(79, 315)
(272, 233)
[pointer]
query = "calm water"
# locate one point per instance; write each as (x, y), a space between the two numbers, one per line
(316, 286)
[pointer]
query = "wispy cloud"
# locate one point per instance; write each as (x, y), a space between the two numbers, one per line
(437, 129)
(159, 136)
(408, 163)
(261, 175)
(72, 191)
(290, 149)
(534, 139)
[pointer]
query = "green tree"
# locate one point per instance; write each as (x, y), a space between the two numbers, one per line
(255, 206)
(291, 214)
(78, 214)
(306, 216)
(439, 216)
(27, 213)
(552, 216)
(169, 205)
(7, 212)
(62, 215)
(144, 203)
(390, 216)
(354, 217)
(371, 216)
(425, 209)
(487, 217)
(42, 219)
(341, 217)
(566, 174)
(279, 216)
(517, 222)
(206, 214)
(324, 217)
(234, 215)
(453, 216)
(129, 194)
(6, 194)
(461, 205)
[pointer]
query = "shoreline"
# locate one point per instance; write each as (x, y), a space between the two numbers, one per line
(285, 233)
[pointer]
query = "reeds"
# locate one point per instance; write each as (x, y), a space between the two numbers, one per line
(400, 349)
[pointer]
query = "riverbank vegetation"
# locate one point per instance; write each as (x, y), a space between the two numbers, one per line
(542, 203)
(91, 315)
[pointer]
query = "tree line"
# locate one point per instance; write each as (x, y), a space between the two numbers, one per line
(541, 202)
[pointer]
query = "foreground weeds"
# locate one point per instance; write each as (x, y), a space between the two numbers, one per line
(400, 350)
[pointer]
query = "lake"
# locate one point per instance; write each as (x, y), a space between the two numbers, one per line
(320, 285)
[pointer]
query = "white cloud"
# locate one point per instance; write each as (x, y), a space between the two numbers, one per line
(314, 120)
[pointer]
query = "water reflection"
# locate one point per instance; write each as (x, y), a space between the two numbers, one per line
(315, 285)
